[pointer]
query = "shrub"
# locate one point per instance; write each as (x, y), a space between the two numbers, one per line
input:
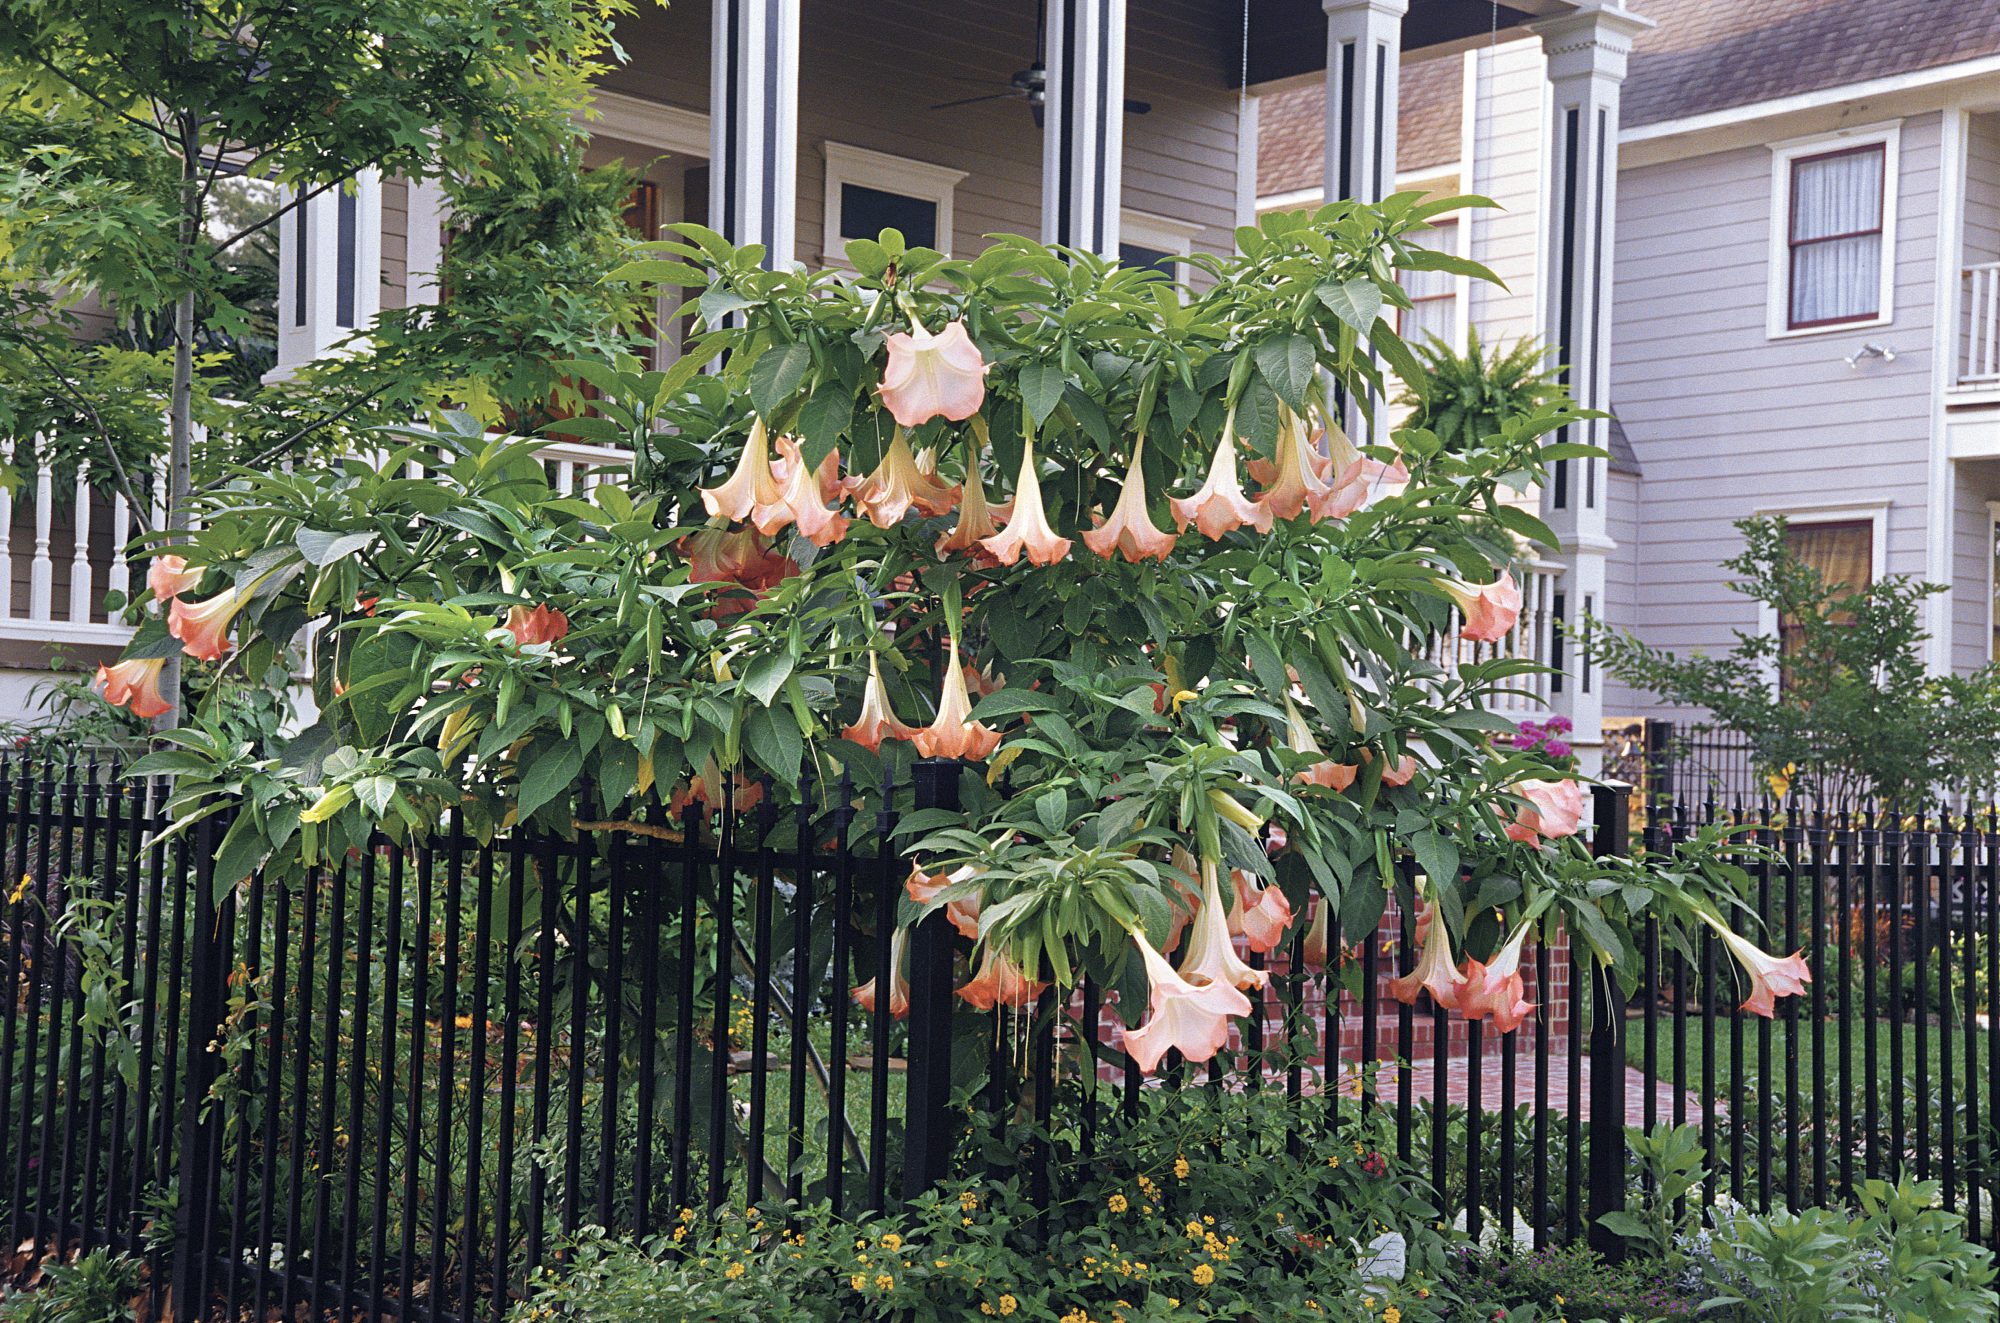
(97, 1288)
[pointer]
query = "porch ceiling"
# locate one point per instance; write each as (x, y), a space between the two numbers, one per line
(1288, 37)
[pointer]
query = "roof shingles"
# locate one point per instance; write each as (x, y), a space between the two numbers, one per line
(1291, 127)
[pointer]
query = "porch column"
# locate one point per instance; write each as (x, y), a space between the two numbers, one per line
(329, 269)
(1083, 124)
(753, 125)
(1364, 55)
(1586, 53)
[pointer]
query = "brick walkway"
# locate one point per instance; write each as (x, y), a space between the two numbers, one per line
(1423, 1077)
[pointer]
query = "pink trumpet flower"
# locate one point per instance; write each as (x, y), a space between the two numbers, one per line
(203, 627)
(1130, 531)
(542, 624)
(1294, 485)
(899, 483)
(134, 684)
(1211, 956)
(1771, 977)
(1489, 610)
(1554, 809)
(1319, 934)
(705, 788)
(1219, 504)
(1495, 991)
(751, 486)
(1434, 970)
(955, 734)
(1324, 772)
(1191, 1017)
(878, 720)
(1000, 982)
(169, 577)
(1262, 913)
(899, 986)
(933, 376)
(922, 887)
(802, 499)
(1028, 525)
(975, 517)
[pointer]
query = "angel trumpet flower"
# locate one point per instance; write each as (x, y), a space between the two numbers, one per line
(932, 376)
(1219, 504)
(705, 788)
(1494, 991)
(802, 499)
(169, 577)
(1434, 970)
(897, 484)
(1771, 977)
(1000, 982)
(1554, 809)
(203, 627)
(1319, 935)
(955, 734)
(1191, 1017)
(1490, 610)
(878, 720)
(923, 887)
(1295, 486)
(542, 624)
(1027, 526)
(753, 483)
(1130, 530)
(134, 684)
(1324, 772)
(1211, 956)
(741, 557)
(975, 516)
(899, 986)
(1262, 913)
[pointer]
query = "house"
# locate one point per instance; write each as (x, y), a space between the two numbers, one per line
(1121, 126)
(1803, 220)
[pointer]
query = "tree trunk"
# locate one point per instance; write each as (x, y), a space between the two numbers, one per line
(180, 409)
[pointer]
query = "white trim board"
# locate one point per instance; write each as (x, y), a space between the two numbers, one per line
(670, 129)
(848, 164)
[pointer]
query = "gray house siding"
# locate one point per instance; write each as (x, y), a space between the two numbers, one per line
(1976, 482)
(1726, 421)
(1621, 584)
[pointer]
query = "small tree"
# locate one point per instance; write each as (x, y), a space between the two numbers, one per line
(1842, 707)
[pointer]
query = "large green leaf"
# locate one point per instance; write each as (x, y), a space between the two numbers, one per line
(1041, 390)
(1358, 302)
(1287, 362)
(547, 770)
(776, 375)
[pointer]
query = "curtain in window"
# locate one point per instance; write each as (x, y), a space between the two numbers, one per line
(1836, 236)
(1844, 555)
(1435, 293)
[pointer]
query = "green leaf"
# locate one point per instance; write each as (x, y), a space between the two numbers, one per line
(773, 736)
(825, 416)
(1358, 302)
(1392, 348)
(1052, 809)
(776, 375)
(1007, 702)
(717, 303)
(376, 706)
(1516, 520)
(1437, 856)
(322, 549)
(1041, 390)
(547, 771)
(1361, 905)
(1429, 259)
(767, 675)
(1287, 363)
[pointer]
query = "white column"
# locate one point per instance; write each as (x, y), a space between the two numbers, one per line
(753, 125)
(1083, 125)
(42, 569)
(81, 594)
(1586, 53)
(329, 268)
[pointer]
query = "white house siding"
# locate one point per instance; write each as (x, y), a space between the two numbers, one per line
(1508, 145)
(1726, 422)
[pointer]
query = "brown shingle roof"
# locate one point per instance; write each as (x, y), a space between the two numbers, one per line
(1291, 127)
(1709, 55)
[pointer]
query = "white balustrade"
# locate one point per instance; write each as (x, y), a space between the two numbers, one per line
(1532, 638)
(79, 617)
(1980, 347)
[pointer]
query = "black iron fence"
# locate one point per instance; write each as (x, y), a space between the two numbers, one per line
(396, 1085)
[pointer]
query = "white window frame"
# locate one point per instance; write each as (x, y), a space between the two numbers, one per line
(848, 164)
(1162, 234)
(1778, 284)
(1847, 512)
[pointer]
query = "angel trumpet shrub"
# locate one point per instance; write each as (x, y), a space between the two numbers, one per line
(802, 500)
(134, 684)
(955, 734)
(1130, 530)
(932, 376)
(1191, 1017)
(897, 485)
(169, 576)
(203, 627)
(541, 624)
(899, 986)
(1027, 526)
(751, 485)
(1211, 956)
(1262, 913)
(1554, 809)
(1771, 977)
(1494, 991)
(878, 720)
(1000, 982)
(1490, 610)
(1219, 505)
(1433, 970)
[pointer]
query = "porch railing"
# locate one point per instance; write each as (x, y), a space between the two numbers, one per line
(1979, 345)
(1532, 638)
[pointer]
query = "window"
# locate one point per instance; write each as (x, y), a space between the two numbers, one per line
(1433, 294)
(1842, 551)
(1832, 231)
(1132, 254)
(868, 192)
(1145, 239)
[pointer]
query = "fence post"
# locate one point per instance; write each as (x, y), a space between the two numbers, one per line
(1607, 1049)
(1659, 764)
(207, 993)
(928, 1134)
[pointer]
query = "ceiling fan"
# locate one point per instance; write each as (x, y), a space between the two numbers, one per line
(1031, 84)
